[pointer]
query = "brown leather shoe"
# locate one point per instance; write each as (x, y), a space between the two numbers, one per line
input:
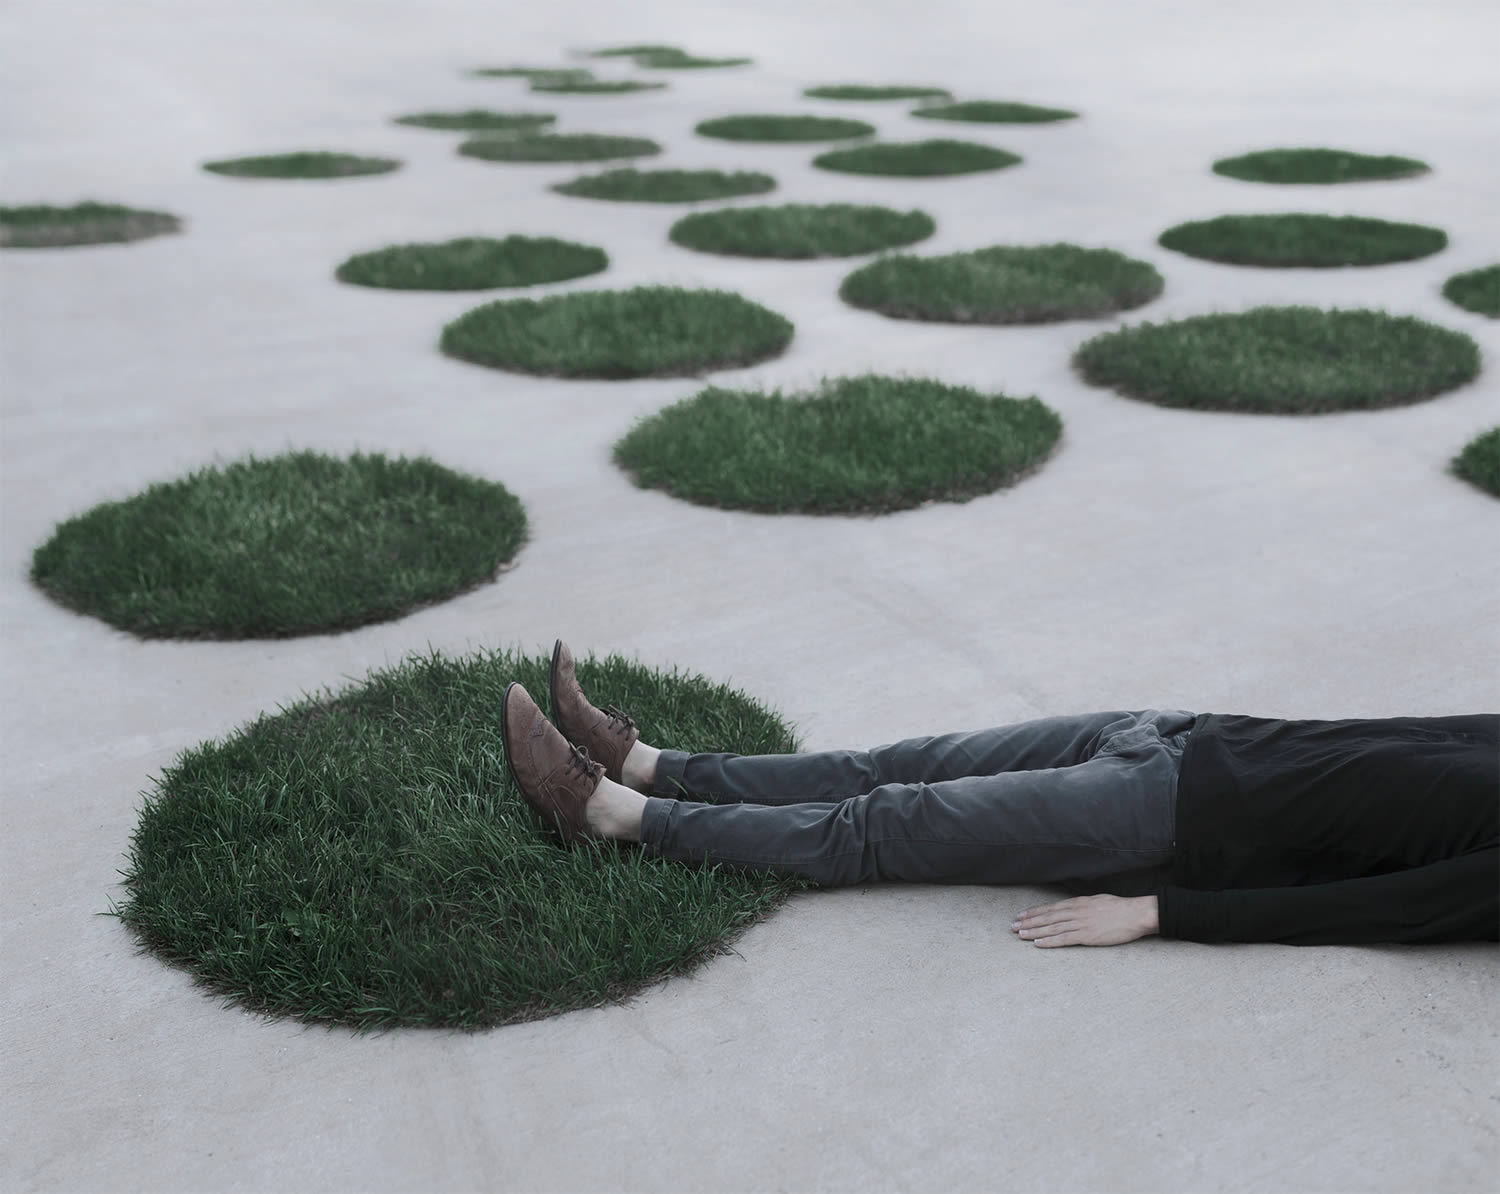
(607, 734)
(556, 778)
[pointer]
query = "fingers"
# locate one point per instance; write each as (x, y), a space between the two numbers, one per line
(1051, 925)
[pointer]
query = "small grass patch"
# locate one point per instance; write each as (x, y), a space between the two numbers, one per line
(634, 51)
(859, 445)
(296, 544)
(784, 128)
(857, 91)
(650, 331)
(666, 186)
(43, 226)
(1478, 290)
(681, 60)
(473, 263)
(1004, 284)
(558, 147)
(548, 73)
(1316, 166)
(993, 112)
(316, 164)
(657, 57)
(478, 120)
(1282, 360)
(573, 85)
(800, 230)
(918, 159)
(363, 858)
(1303, 240)
(1479, 462)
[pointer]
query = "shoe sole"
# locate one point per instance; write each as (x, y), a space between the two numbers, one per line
(552, 682)
(505, 735)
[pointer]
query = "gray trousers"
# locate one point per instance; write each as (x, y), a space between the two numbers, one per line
(1043, 801)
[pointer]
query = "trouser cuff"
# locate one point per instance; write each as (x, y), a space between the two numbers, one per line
(655, 819)
(671, 765)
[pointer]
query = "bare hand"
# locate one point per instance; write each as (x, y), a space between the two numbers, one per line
(1088, 920)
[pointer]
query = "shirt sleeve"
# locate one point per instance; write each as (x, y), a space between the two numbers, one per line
(1457, 899)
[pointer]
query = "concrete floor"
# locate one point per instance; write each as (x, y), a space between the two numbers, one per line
(892, 1038)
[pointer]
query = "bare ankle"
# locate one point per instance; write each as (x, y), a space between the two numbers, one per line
(614, 811)
(639, 769)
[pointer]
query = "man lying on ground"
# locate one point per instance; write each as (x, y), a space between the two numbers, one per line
(1303, 832)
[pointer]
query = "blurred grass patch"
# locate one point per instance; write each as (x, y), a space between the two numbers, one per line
(858, 445)
(300, 543)
(1282, 360)
(650, 331)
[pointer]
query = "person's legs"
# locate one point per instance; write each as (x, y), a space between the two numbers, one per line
(1108, 813)
(833, 775)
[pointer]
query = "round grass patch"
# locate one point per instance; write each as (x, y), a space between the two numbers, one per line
(632, 51)
(558, 147)
(650, 331)
(667, 58)
(478, 120)
(993, 112)
(1316, 166)
(473, 263)
(784, 128)
(578, 85)
(920, 159)
(43, 226)
(667, 186)
(1282, 360)
(363, 858)
(860, 92)
(800, 230)
(1303, 240)
(1478, 290)
(296, 544)
(1004, 284)
(548, 73)
(317, 164)
(859, 445)
(1479, 462)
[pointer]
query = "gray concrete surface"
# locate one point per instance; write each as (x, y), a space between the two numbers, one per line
(890, 1038)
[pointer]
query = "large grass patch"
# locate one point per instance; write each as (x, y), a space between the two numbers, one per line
(801, 230)
(558, 147)
(1316, 166)
(863, 93)
(627, 185)
(784, 128)
(859, 445)
(362, 857)
(478, 120)
(1318, 241)
(473, 263)
(44, 226)
(918, 159)
(650, 331)
(296, 544)
(1004, 284)
(1282, 360)
(993, 112)
(1479, 462)
(1478, 290)
(312, 164)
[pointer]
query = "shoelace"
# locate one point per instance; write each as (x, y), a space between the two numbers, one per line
(579, 760)
(619, 715)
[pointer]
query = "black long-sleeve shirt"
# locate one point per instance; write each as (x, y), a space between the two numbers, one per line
(1337, 832)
